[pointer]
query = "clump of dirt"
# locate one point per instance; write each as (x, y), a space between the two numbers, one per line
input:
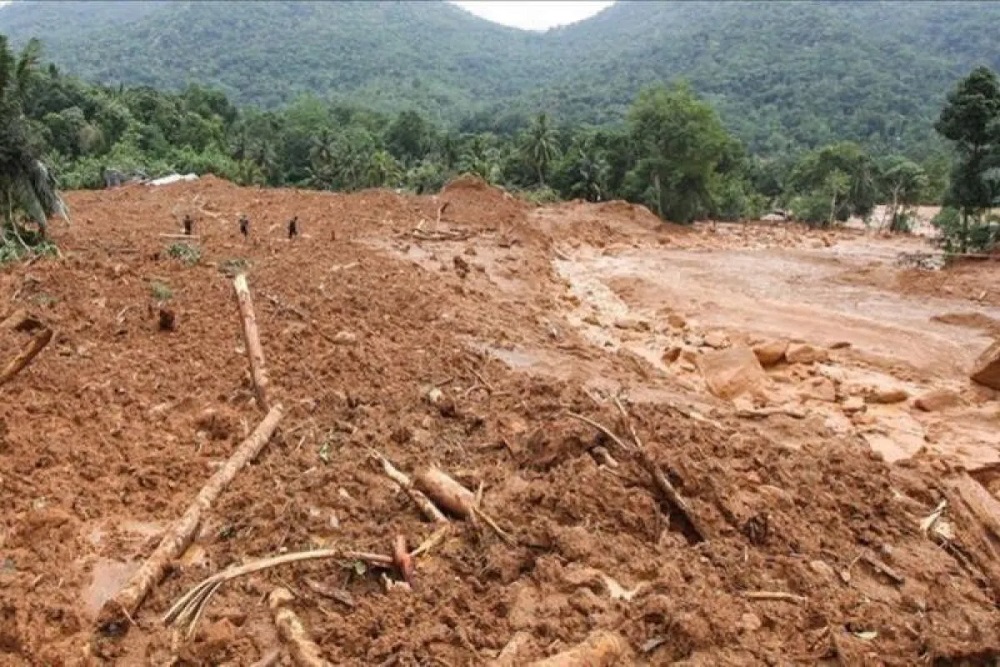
(107, 437)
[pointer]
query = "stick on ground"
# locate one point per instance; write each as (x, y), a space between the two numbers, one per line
(600, 649)
(449, 494)
(116, 612)
(304, 651)
(21, 361)
(429, 509)
(251, 338)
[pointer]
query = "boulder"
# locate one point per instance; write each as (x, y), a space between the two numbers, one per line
(770, 353)
(853, 404)
(886, 395)
(986, 369)
(937, 400)
(801, 353)
(716, 339)
(676, 321)
(731, 372)
(820, 389)
(671, 355)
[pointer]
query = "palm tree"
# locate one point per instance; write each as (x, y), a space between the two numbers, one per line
(540, 148)
(26, 184)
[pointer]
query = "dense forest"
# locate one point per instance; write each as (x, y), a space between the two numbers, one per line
(784, 76)
(671, 150)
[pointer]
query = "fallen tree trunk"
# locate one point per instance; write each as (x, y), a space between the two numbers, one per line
(117, 611)
(27, 354)
(600, 649)
(304, 651)
(251, 339)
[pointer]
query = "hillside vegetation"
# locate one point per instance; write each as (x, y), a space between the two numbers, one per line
(783, 75)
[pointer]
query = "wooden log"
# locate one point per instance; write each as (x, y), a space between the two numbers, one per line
(26, 355)
(251, 339)
(446, 492)
(20, 320)
(601, 649)
(980, 502)
(118, 611)
(304, 651)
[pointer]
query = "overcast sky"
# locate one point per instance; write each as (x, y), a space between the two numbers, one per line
(533, 15)
(527, 14)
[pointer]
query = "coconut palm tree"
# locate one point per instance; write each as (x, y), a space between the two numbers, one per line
(540, 146)
(26, 185)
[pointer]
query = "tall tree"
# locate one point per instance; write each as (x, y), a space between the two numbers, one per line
(540, 147)
(971, 119)
(26, 184)
(680, 142)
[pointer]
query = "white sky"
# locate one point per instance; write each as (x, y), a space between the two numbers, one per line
(527, 14)
(533, 15)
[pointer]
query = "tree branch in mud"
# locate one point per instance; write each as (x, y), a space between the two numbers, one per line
(189, 608)
(304, 651)
(601, 649)
(117, 611)
(251, 339)
(429, 509)
(21, 361)
(639, 453)
(455, 498)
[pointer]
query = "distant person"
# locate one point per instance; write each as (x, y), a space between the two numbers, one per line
(188, 224)
(293, 227)
(244, 225)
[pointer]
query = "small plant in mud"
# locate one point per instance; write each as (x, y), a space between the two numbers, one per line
(18, 244)
(161, 291)
(234, 266)
(188, 253)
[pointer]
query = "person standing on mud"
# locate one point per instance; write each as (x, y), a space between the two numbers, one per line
(244, 225)
(188, 224)
(293, 227)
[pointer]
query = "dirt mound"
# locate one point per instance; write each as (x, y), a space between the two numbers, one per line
(472, 201)
(812, 551)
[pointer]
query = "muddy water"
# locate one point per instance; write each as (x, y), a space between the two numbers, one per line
(784, 293)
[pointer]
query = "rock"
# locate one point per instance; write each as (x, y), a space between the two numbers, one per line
(731, 372)
(632, 324)
(822, 568)
(820, 388)
(886, 395)
(749, 622)
(840, 345)
(671, 355)
(854, 404)
(986, 369)
(801, 353)
(770, 353)
(592, 320)
(716, 339)
(345, 338)
(937, 400)
(676, 321)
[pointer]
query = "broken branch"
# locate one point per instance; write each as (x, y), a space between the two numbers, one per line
(428, 508)
(774, 595)
(449, 494)
(601, 649)
(251, 338)
(125, 603)
(187, 610)
(21, 361)
(304, 651)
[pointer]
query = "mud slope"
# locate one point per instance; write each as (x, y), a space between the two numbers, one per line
(812, 550)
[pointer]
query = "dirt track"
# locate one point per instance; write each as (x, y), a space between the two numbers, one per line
(518, 315)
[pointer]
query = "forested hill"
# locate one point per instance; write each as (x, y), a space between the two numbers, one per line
(783, 75)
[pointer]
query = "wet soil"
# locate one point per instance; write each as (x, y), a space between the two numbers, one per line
(110, 433)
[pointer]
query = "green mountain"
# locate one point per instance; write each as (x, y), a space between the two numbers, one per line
(782, 74)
